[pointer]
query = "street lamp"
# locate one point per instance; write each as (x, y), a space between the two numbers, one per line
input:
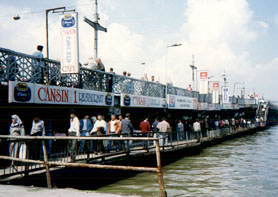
(174, 45)
(53, 10)
(193, 67)
(169, 46)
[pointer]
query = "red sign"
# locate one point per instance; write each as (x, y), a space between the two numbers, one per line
(203, 75)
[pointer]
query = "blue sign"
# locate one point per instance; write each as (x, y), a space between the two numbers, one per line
(22, 92)
(108, 99)
(127, 100)
(68, 21)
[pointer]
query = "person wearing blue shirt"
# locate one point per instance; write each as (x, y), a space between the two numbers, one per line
(85, 127)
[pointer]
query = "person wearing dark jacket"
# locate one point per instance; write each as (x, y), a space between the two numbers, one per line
(127, 130)
(85, 127)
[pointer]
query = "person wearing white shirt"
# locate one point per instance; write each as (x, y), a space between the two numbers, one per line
(100, 128)
(74, 130)
(99, 123)
(38, 128)
(164, 128)
(197, 129)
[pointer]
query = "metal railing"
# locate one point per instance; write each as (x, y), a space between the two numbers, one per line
(33, 153)
(27, 68)
(29, 154)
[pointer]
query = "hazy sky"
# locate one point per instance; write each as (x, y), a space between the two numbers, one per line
(236, 36)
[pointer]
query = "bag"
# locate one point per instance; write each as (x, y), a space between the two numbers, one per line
(22, 151)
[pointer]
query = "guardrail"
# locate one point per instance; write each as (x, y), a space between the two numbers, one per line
(28, 68)
(29, 154)
(34, 152)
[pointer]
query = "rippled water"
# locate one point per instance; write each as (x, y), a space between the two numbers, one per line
(246, 166)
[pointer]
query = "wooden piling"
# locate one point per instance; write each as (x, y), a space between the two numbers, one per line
(159, 170)
(47, 172)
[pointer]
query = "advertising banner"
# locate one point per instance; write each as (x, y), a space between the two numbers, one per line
(214, 107)
(20, 92)
(203, 106)
(181, 102)
(215, 87)
(225, 95)
(203, 82)
(128, 100)
(69, 43)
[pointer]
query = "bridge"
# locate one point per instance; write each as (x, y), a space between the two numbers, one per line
(15, 66)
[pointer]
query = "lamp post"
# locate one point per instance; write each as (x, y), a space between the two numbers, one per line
(169, 46)
(193, 67)
(53, 10)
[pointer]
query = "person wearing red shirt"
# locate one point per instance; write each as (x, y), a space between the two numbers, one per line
(145, 128)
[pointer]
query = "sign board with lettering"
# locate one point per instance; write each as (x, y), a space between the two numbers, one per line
(214, 107)
(215, 87)
(203, 106)
(69, 43)
(128, 100)
(225, 95)
(203, 82)
(181, 102)
(20, 92)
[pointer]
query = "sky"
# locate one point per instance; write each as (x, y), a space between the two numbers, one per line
(238, 37)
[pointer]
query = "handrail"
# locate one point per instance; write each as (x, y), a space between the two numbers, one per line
(78, 138)
(27, 68)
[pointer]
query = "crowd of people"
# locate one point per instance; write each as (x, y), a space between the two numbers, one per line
(117, 126)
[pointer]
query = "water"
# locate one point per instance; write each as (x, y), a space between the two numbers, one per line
(246, 166)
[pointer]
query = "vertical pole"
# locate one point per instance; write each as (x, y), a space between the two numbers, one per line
(27, 157)
(46, 29)
(48, 177)
(159, 171)
(96, 30)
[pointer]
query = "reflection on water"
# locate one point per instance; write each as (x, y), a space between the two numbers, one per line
(246, 166)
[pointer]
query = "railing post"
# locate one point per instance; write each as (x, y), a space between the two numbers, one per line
(48, 177)
(27, 164)
(159, 171)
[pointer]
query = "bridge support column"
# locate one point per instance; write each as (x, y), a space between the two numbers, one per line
(47, 172)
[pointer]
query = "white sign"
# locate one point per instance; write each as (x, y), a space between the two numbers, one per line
(128, 100)
(203, 82)
(203, 106)
(181, 102)
(20, 92)
(214, 107)
(225, 95)
(69, 43)
(215, 86)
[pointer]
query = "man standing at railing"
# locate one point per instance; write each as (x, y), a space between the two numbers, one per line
(38, 129)
(164, 128)
(114, 129)
(38, 65)
(74, 130)
(127, 129)
(99, 126)
(180, 130)
(85, 127)
(145, 128)
(197, 130)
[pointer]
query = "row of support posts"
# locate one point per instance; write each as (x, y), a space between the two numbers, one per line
(158, 161)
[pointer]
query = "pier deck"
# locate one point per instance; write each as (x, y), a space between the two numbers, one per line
(18, 171)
